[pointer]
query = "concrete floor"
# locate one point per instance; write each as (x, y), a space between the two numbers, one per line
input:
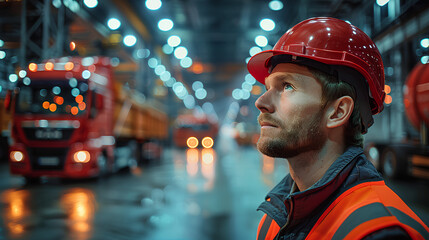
(187, 195)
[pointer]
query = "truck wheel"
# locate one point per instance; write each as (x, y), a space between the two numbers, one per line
(394, 163)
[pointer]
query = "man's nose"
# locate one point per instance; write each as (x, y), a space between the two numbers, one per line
(264, 103)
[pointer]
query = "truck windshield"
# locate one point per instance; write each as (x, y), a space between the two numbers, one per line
(195, 127)
(52, 97)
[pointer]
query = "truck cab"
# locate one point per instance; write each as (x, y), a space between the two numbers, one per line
(61, 125)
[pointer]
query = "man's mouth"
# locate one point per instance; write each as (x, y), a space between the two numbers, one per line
(265, 124)
(266, 121)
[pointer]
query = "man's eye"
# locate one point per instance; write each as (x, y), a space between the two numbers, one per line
(288, 86)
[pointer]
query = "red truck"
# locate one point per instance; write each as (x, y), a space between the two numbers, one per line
(194, 131)
(410, 157)
(70, 119)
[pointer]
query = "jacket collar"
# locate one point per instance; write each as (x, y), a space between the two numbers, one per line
(305, 202)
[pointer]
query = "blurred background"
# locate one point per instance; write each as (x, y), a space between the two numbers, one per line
(133, 119)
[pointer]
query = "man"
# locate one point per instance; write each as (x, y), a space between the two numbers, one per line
(324, 80)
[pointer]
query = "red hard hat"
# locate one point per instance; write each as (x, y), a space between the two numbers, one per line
(333, 42)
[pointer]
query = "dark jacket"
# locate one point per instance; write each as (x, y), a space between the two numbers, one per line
(303, 209)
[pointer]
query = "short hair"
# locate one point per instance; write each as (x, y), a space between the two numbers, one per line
(332, 89)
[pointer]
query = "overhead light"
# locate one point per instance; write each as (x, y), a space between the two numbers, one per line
(13, 77)
(180, 52)
(424, 42)
(167, 49)
(268, 47)
(130, 40)
(201, 93)
(87, 61)
(22, 73)
(165, 24)
(261, 41)
(424, 59)
(250, 79)
(165, 76)
(275, 5)
(153, 4)
(186, 62)
(86, 74)
(177, 87)
(113, 23)
(174, 41)
(267, 24)
(254, 50)
(114, 61)
(189, 102)
(143, 53)
(27, 81)
(237, 94)
(1, 43)
(160, 69)
(90, 3)
(381, 3)
(197, 85)
(246, 86)
(56, 3)
(246, 94)
(152, 62)
(170, 82)
(2, 54)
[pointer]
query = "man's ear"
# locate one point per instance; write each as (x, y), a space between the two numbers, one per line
(339, 112)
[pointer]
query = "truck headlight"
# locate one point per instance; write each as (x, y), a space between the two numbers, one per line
(207, 142)
(192, 142)
(16, 156)
(81, 157)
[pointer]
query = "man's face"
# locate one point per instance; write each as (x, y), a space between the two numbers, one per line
(291, 116)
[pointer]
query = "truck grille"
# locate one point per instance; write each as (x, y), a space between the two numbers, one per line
(47, 158)
(51, 134)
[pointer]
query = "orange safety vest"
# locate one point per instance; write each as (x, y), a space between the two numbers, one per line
(358, 212)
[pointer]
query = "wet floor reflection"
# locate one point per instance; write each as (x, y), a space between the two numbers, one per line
(27, 214)
(16, 210)
(200, 163)
(80, 206)
(192, 194)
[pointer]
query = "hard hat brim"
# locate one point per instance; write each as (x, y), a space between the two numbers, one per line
(258, 64)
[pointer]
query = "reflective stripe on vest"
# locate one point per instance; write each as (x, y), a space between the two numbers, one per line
(268, 228)
(364, 209)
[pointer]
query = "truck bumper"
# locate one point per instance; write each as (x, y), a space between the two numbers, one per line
(51, 162)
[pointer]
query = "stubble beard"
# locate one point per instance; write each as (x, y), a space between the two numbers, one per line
(293, 139)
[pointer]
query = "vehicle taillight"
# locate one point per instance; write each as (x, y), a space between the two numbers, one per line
(69, 66)
(32, 67)
(49, 66)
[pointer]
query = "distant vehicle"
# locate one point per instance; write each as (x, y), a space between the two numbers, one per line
(192, 131)
(246, 134)
(4, 129)
(410, 157)
(71, 119)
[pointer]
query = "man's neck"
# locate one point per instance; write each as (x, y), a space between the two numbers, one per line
(309, 167)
